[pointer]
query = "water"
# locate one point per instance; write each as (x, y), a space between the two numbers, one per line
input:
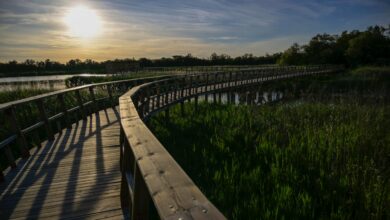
(54, 82)
(256, 98)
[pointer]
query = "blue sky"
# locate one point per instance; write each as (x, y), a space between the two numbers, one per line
(145, 28)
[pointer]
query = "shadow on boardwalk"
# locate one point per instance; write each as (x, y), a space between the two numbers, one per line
(75, 176)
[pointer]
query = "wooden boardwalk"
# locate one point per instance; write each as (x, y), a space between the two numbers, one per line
(76, 176)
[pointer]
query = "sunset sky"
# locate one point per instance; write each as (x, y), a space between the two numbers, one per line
(101, 30)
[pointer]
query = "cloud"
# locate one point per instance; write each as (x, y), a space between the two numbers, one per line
(34, 29)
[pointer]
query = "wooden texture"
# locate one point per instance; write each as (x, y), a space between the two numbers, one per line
(173, 193)
(77, 173)
(75, 176)
(92, 104)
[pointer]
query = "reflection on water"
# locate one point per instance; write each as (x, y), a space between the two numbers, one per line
(254, 98)
(54, 82)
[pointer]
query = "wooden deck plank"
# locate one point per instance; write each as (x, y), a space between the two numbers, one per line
(75, 176)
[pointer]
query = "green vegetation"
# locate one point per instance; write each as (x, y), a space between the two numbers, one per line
(353, 48)
(364, 84)
(323, 154)
(48, 67)
(8, 96)
(285, 161)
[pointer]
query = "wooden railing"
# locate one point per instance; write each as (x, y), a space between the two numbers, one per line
(202, 69)
(149, 173)
(39, 109)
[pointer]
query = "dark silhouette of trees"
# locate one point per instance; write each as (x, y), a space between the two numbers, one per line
(293, 55)
(350, 48)
(371, 46)
(32, 67)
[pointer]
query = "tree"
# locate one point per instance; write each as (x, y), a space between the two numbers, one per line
(292, 56)
(321, 49)
(370, 47)
(354, 48)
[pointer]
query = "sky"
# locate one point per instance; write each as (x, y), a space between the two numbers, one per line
(38, 29)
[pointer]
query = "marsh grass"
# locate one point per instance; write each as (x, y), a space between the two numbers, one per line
(12, 95)
(323, 153)
(309, 160)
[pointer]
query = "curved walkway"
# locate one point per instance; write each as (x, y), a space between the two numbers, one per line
(75, 176)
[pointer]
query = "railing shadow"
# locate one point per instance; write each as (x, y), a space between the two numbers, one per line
(32, 181)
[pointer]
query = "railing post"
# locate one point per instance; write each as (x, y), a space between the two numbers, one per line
(45, 119)
(141, 197)
(233, 98)
(94, 103)
(109, 91)
(153, 100)
(197, 84)
(175, 91)
(10, 158)
(236, 79)
(15, 128)
(64, 110)
(166, 93)
(215, 81)
(206, 95)
(127, 167)
(147, 101)
(190, 88)
(158, 96)
(81, 105)
(141, 105)
(183, 87)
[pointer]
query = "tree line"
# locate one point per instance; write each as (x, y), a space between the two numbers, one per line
(369, 47)
(353, 48)
(77, 65)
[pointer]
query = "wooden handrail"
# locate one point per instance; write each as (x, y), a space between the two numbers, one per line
(149, 172)
(18, 133)
(63, 91)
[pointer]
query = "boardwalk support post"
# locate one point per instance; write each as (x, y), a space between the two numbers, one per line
(15, 128)
(94, 103)
(81, 105)
(64, 110)
(45, 119)
(141, 197)
(109, 91)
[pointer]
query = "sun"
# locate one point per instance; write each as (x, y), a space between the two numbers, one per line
(83, 22)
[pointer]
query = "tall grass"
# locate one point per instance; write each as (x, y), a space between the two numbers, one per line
(316, 161)
(8, 96)
(322, 154)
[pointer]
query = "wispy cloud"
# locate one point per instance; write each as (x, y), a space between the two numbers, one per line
(34, 29)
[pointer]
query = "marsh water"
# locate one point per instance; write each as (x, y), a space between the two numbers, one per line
(54, 82)
(254, 97)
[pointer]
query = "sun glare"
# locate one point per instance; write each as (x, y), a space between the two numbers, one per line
(83, 22)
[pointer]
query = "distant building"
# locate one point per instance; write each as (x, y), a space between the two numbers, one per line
(121, 66)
